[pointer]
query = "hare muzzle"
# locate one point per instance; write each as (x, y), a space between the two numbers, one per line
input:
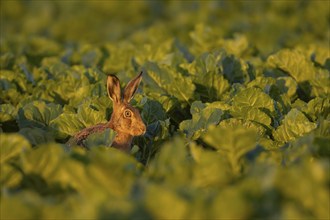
(140, 131)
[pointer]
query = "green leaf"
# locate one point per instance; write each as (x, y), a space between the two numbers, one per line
(253, 97)
(38, 114)
(10, 177)
(168, 102)
(120, 57)
(41, 46)
(9, 93)
(320, 85)
(254, 105)
(204, 38)
(294, 63)
(101, 174)
(172, 170)
(42, 161)
(287, 85)
(232, 123)
(157, 51)
(202, 117)
(295, 124)
(207, 165)
(90, 113)
(319, 107)
(203, 64)
(13, 87)
(26, 206)
(110, 170)
(74, 87)
(104, 138)
(7, 112)
(17, 81)
(102, 104)
(7, 60)
(237, 140)
(261, 82)
(90, 116)
(170, 81)
(233, 143)
(168, 205)
(252, 114)
(234, 198)
(157, 133)
(66, 124)
(36, 135)
(219, 104)
(152, 111)
(233, 69)
(12, 145)
(308, 179)
(269, 144)
(211, 85)
(87, 55)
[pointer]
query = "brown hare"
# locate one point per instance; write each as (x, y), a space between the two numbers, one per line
(125, 119)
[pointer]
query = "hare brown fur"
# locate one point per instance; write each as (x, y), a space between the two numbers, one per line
(125, 119)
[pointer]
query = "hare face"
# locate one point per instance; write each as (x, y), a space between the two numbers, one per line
(127, 120)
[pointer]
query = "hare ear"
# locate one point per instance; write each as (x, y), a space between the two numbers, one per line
(113, 87)
(132, 87)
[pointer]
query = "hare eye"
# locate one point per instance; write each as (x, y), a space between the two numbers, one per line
(127, 113)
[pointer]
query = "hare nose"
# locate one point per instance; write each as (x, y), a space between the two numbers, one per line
(143, 130)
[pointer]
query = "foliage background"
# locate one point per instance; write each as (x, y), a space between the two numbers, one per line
(235, 95)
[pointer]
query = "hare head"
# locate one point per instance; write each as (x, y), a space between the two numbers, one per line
(125, 119)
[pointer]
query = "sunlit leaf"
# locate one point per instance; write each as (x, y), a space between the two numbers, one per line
(255, 98)
(7, 112)
(202, 117)
(12, 145)
(171, 81)
(294, 124)
(294, 63)
(233, 143)
(38, 114)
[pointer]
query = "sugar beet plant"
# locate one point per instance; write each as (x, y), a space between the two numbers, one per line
(236, 108)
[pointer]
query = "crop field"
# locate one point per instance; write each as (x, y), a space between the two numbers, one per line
(235, 96)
